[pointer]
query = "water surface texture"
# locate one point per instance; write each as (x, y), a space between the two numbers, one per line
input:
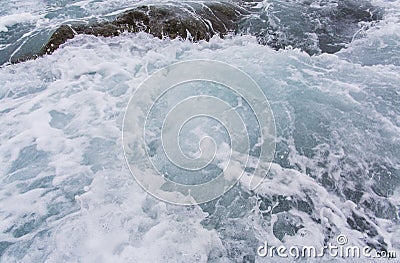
(67, 195)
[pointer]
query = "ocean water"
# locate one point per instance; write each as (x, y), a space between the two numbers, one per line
(67, 195)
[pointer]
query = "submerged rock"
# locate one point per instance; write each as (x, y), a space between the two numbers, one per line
(195, 21)
(323, 27)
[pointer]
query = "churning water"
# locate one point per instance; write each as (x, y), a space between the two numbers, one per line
(67, 195)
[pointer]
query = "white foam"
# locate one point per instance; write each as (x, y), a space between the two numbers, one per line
(92, 79)
(10, 20)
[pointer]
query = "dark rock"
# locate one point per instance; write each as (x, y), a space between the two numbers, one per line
(62, 34)
(298, 24)
(323, 28)
(201, 21)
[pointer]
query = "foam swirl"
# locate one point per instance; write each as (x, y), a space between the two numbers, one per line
(138, 115)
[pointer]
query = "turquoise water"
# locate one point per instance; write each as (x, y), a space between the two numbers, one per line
(66, 193)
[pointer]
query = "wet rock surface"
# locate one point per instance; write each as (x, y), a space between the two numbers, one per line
(195, 21)
(315, 27)
(325, 28)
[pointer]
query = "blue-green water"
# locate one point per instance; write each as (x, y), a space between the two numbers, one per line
(66, 193)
